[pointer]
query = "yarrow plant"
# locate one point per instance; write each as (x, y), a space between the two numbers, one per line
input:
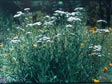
(55, 48)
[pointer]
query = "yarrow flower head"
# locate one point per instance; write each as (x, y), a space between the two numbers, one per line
(47, 17)
(69, 26)
(53, 18)
(26, 9)
(73, 19)
(15, 40)
(99, 21)
(28, 33)
(44, 39)
(75, 13)
(79, 9)
(37, 23)
(33, 24)
(59, 12)
(68, 14)
(102, 30)
(50, 23)
(19, 13)
(97, 47)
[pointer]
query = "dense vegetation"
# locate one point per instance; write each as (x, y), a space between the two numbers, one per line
(60, 47)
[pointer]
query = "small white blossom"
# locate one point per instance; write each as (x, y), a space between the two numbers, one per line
(33, 24)
(44, 39)
(75, 13)
(104, 21)
(102, 30)
(50, 23)
(39, 41)
(39, 36)
(15, 41)
(97, 47)
(28, 33)
(72, 19)
(29, 25)
(27, 9)
(68, 14)
(59, 12)
(78, 9)
(37, 23)
(99, 55)
(106, 30)
(55, 14)
(47, 16)
(53, 18)
(72, 34)
(8, 29)
(15, 38)
(91, 46)
(95, 53)
(69, 26)
(19, 13)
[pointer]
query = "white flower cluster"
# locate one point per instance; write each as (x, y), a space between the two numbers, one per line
(15, 40)
(26, 9)
(99, 21)
(75, 14)
(50, 23)
(96, 50)
(34, 24)
(44, 39)
(102, 30)
(28, 33)
(19, 13)
(62, 15)
(73, 19)
(69, 26)
(79, 9)
(59, 12)
(67, 14)
(96, 47)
